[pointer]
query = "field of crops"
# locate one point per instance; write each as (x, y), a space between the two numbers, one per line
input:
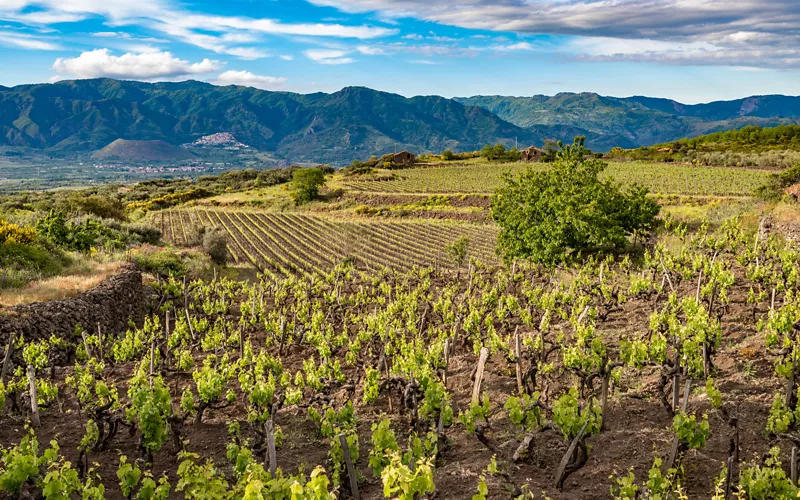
(286, 244)
(604, 380)
(659, 178)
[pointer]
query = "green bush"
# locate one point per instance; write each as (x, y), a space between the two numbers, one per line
(778, 182)
(559, 214)
(305, 185)
(160, 262)
(215, 244)
(143, 233)
(21, 263)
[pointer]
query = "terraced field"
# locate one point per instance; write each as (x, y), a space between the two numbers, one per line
(288, 244)
(659, 178)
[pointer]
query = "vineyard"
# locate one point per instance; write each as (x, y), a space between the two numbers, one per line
(660, 178)
(673, 378)
(286, 244)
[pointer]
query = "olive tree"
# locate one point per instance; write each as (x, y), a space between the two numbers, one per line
(566, 211)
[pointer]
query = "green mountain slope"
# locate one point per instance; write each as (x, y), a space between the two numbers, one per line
(356, 122)
(86, 115)
(637, 121)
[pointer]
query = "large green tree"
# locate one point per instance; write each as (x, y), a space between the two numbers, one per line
(305, 184)
(566, 211)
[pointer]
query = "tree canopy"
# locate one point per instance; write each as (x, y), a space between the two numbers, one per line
(566, 211)
(305, 184)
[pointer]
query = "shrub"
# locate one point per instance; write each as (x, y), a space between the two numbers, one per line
(305, 185)
(215, 243)
(448, 155)
(160, 262)
(21, 263)
(144, 233)
(556, 215)
(13, 233)
(778, 182)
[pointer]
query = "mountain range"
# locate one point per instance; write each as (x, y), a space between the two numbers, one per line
(355, 122)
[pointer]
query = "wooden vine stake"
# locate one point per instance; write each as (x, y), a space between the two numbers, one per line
(271, 454)
(673, 453)
(100, 341)
(34, 398)
(729, 478)
(476, 389)
(7, 358)
(166, 339)
(518, 356)
(241, 341)
(351, 471)
(446, 355)
(283, 333)
(794, 465)
(86, 346)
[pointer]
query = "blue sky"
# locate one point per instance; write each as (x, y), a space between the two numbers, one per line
(688, 50)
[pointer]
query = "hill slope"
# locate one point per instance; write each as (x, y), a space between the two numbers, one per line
(354, 122)
(141, 151)
(639, 121)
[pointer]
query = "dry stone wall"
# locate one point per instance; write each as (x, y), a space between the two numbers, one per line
(111, 303)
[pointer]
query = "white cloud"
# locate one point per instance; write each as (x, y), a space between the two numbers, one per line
(519, 46)
(287, 57)
(48, 17)
(218, 33)
(414, 36)
(55, 78)
(757, 33)
(25, 41)
(370, 51)
(248, 79)
(145, 66)
(328, 56)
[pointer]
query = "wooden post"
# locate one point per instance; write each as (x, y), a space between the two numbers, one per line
(666, 274)
(604, 401)
(673, 454)
(241, 341)
(446, 361)
(518, 356)
(100, 341)
(166, 338)
(152, 359)
(728, 478)
(283, 333)
(456, 328)
(794, 465)
(86, 346)
(7, 358)
(351, 471)
(271, 454)
(676, 388)
(476, 389)
(34, 398)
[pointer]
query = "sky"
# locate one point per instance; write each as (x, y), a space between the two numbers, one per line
(688, 50)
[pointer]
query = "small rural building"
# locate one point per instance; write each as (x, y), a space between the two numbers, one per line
(531, 154)
(404, 158)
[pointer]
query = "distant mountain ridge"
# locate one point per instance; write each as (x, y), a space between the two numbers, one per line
(355, 122)
(631, 122)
